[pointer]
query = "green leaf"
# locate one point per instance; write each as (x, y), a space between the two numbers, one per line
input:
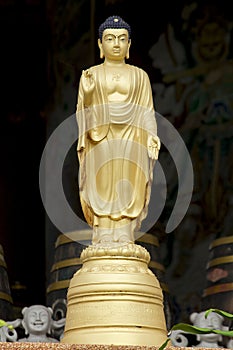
(198, 330)
(163, 346)
(220, 312)
(3, 323)
(191, 329)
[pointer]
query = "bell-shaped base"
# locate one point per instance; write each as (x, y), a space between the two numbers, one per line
(115, 299)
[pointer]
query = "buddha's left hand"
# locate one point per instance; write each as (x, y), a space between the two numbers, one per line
(153, 146)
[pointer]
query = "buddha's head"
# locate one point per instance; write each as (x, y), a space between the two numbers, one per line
(114, 22)
(114, 38)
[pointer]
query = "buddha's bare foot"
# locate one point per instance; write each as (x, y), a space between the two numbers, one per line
(124, 239)
(106, 239)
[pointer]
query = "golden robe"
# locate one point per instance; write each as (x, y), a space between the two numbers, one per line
(115, 169)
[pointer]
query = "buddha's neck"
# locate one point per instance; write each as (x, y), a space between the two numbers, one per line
(112, 63)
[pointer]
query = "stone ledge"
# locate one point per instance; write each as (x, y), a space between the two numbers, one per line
(61, 346)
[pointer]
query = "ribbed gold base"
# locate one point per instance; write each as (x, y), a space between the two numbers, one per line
(115, 299)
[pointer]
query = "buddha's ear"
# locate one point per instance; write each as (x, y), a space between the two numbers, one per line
(127, 53)
(101, 48)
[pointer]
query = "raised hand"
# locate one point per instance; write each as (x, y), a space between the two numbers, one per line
(88, 84)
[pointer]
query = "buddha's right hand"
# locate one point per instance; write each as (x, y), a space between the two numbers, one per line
(88, 84)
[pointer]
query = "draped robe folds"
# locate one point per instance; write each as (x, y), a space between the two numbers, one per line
(115, 173)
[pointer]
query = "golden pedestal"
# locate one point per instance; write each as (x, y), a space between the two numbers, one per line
(115, 299)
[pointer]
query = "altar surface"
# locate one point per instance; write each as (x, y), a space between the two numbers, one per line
(61, 346)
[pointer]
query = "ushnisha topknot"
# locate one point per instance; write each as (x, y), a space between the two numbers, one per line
(114, 22)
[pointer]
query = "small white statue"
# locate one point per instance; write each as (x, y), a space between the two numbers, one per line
(212, 321)
(38, 323)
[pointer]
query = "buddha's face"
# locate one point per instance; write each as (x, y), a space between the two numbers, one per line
(115, 43)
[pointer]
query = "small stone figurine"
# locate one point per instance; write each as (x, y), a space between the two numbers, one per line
(38, 323)
(213, 321)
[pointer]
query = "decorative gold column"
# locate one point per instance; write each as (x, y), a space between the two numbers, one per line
(115, 299)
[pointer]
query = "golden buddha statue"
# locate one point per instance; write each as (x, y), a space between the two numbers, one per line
(114, 298)
(118, 143)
